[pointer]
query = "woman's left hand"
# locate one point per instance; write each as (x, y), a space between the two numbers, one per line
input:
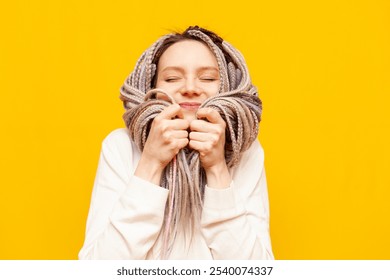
(208, 138)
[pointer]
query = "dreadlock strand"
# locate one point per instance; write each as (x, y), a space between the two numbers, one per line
(184, 177)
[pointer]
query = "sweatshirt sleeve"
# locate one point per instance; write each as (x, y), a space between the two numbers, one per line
(235, 220)
(126, 212)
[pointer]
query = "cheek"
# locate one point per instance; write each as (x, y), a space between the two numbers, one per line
(213, 90)
(166, 87)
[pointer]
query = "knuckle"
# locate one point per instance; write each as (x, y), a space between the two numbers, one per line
(220, 129)
(173, 147)
(179, 144)
(163, 126)
(157, 120)
(166, 137)
(214, 140)
(208, 148)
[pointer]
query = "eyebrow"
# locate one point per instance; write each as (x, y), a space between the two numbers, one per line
(180, 69)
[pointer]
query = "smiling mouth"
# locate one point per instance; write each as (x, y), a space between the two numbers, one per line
(191, 106)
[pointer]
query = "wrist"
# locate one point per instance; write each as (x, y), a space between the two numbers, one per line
(149, 170)
(218, 176)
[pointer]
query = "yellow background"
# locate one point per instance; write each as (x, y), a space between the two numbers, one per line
(322, 69)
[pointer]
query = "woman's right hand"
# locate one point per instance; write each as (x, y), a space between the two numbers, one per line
(168, 134)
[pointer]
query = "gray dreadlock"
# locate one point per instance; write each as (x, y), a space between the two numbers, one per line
(237, 103)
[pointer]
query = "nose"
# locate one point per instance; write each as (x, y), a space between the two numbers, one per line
(190, 87)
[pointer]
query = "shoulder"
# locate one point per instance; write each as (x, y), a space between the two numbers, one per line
(119, 139)
(256, 149)
(254, 155)
(118, 145)
(119, 136)
(250, 167)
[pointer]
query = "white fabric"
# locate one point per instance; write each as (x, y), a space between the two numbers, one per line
(126, 212)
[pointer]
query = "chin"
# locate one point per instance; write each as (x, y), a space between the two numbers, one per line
(190, 117)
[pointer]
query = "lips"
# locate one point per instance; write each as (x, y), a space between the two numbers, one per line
(191, 106)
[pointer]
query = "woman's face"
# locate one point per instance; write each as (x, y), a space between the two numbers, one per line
(188, 72)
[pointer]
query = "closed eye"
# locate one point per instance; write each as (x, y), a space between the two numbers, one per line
(171, 79)
(208, 79)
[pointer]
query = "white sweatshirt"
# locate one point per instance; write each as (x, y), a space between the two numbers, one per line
(126, 212)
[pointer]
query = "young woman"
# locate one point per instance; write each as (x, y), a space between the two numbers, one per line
(185, 179)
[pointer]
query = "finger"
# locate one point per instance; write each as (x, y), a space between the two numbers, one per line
(180, 134)
(210, 114)
(202, 147)
(202, 126)
(199, 136)
(162, 96)
(171, 112)
(181, 143)
(207, 140)
(170, 135)
(178, 124)
(195, 145)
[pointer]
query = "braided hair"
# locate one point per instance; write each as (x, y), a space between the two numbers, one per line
(237, 103)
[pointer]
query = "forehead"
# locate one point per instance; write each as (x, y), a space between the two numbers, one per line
(188, 51)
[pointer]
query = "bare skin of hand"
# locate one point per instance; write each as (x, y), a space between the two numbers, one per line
(168, 134)
(208, 137)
